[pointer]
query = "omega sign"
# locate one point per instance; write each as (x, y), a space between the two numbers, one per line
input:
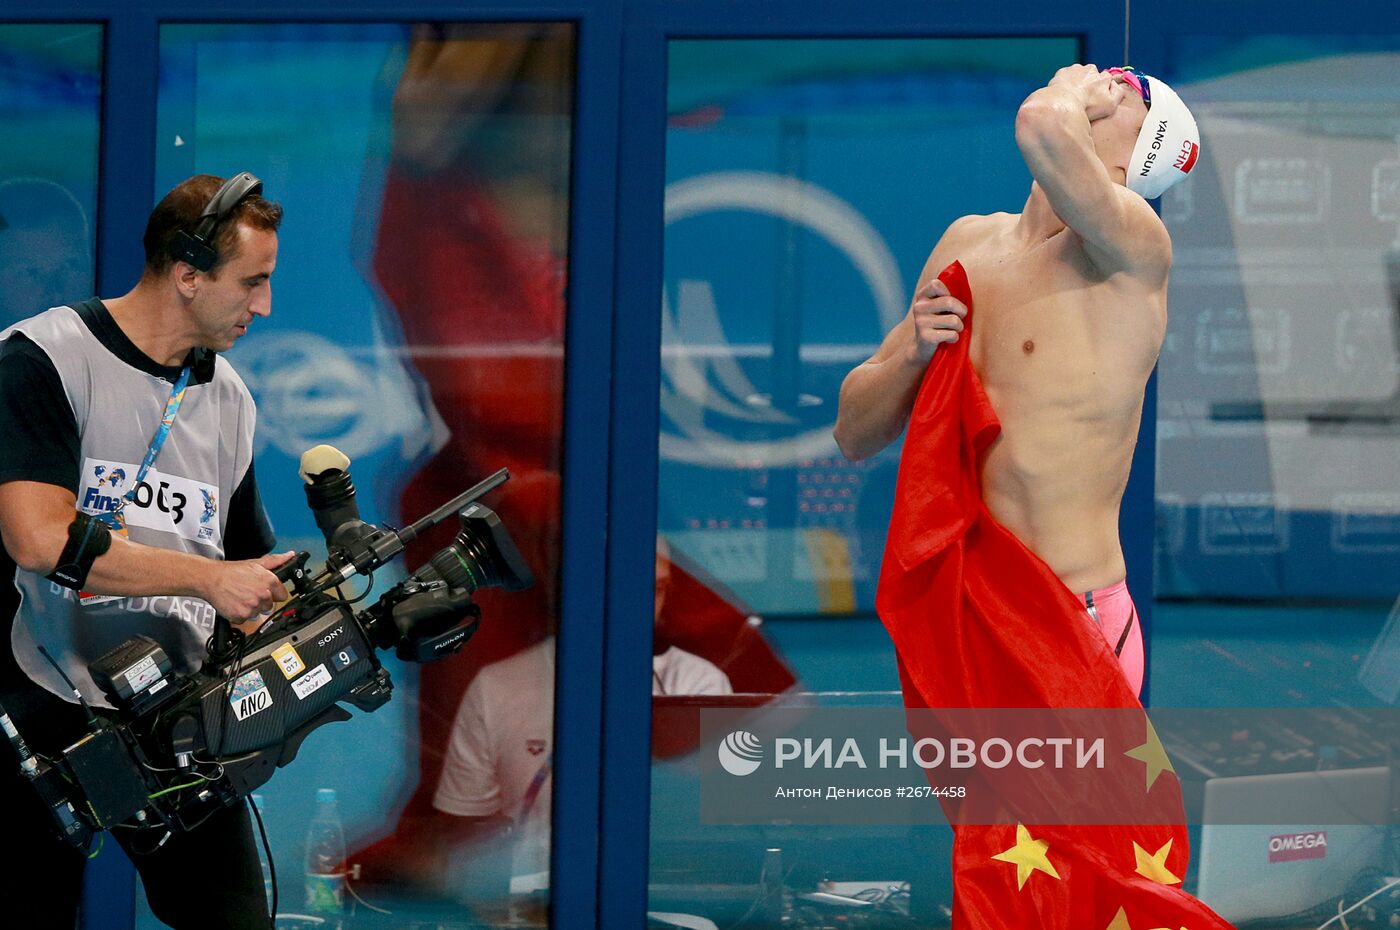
(1291, 846)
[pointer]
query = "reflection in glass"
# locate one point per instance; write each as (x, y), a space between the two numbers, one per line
(1278, 472)
(1280, 389)
(419, 327)
(50, 86)
(806, 182)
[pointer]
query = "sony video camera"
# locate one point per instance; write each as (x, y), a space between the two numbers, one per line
(181, 747)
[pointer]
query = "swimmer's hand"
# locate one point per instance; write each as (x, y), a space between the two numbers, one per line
(938, 318)
(1097, 92)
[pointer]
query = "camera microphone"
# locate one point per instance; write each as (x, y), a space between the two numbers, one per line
(354, 546)
(482, 555)
(330, 491)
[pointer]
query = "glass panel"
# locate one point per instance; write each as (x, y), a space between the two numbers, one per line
(1276, 419)
(50, 96)
(1278, 460)
(795, 220)
(807, 182)
(418, 326)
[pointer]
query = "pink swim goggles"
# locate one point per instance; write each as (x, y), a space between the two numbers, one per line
(1137, 81)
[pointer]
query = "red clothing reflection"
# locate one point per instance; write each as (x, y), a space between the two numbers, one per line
(490, 350)
(482, 317)
(469, 255)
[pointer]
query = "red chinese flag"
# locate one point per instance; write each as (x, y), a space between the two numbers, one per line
(978, 620)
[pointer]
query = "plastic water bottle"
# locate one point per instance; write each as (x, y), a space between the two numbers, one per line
(262, 853)
(325, 859)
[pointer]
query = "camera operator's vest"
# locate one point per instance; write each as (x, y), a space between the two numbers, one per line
(181, 504)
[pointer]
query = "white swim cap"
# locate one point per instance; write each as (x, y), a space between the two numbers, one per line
(1168, 144)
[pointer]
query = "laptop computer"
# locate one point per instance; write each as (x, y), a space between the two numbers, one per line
(1273, 845)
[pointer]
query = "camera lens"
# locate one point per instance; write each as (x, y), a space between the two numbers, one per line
(481, 556)
(465, 563)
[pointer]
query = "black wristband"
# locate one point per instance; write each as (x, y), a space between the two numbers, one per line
(88, 538)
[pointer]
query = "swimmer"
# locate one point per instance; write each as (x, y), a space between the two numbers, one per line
(1071, 300)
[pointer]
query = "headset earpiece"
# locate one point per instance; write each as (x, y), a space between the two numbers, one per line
(196, 246)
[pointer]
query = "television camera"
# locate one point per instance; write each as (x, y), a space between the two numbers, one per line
(179, 747)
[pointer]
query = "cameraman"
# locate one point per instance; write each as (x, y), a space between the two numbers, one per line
(98, 498)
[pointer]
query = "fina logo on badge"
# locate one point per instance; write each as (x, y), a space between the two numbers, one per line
(108, 476)
(211, 510)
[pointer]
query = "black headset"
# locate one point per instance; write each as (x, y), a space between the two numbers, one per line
(195, 247)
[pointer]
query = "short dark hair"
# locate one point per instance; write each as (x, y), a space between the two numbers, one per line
(180, 209)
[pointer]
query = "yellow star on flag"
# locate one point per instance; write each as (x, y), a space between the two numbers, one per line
(1152, 754)
(1027, 855)
(1154, 866)
(1120, 922)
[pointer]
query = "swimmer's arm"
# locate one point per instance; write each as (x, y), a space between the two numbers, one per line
(1121, 232)
(878, 395)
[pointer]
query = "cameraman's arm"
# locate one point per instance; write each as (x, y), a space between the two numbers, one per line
(40, 462)
(34, 519)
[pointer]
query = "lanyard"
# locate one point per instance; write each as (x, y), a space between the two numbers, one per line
(167, 419)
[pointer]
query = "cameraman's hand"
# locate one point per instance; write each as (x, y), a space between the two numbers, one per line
(242, 590)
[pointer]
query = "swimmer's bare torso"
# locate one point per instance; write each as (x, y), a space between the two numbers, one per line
(1066, 329)
(1064, 353)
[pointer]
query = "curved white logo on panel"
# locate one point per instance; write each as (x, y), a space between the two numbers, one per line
(691, 384)
(311, 390)
(740, 753)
